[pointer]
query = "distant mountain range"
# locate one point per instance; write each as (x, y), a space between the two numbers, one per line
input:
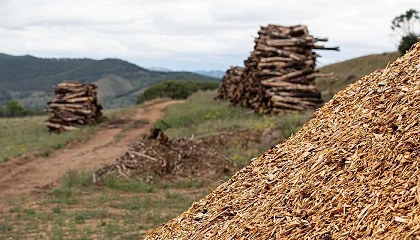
(210, 73)
(30, 79)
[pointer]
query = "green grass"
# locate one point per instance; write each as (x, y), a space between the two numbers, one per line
(200, 115)
(25, 135)
(175, 89)
(29, 134)
(128, 185)
(98, 213)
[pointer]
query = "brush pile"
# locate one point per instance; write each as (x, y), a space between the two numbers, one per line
(158, 156)
(279, 75)
(352, 172)
(74, 104)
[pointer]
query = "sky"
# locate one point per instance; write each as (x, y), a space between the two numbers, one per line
(190, 34)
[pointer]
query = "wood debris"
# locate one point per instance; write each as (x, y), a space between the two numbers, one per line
(352, 172)
(280, 73)
(158, 156)
(74, 104)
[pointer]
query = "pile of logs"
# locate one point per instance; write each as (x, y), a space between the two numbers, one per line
(73, 104)
(228, 88)
(279, 75)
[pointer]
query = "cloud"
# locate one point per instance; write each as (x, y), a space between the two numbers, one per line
(187, 34)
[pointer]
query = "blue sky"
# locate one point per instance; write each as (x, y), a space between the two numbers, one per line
(188, 34)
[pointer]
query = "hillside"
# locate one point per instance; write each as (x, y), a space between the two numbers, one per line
(30, 79)
(349, 71)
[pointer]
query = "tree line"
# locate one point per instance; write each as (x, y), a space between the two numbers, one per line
(12, 108)
(175, 89)
(407, 27)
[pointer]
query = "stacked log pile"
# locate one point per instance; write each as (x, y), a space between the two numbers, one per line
(279, 75)
(229, 88)
(73, 104)
(352, 172)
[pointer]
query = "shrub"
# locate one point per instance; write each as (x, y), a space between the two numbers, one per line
(175, 89)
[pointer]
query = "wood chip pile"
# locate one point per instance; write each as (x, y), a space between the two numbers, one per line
(158, 156)
(73, 104)
(352, 172)
(279, 75)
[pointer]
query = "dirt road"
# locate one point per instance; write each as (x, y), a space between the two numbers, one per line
(21, 176)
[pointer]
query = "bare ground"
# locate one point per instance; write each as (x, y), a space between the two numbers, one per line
(26, 176)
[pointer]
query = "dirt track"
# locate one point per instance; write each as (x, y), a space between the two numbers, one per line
(22, 176)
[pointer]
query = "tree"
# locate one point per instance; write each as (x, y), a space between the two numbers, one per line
(13, 108)
(404, 24)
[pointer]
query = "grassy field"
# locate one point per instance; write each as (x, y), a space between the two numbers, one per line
(79, 210)
(28, 135)
(201, 116)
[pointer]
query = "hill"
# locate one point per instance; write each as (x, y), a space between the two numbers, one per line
(30, 79)
(349, 71)
(211, 73)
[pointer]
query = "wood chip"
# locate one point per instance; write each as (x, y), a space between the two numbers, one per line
(351, 174)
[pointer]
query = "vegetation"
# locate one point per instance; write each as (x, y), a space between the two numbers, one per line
(12, 108)
(405, 24)
(407, 42)
(201, 115)
(28, 135)
(175, 90)
(30, 79)
(79, 210)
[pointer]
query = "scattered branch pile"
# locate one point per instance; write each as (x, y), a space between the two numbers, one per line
(279, 75)
(352, 172)
(73, 104)
(158, 156)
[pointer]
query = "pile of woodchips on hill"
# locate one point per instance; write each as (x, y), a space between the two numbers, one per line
(280, 73)
(73, 104)
(157, 156)
(352, 172)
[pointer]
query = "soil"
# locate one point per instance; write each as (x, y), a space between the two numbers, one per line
(36, 174)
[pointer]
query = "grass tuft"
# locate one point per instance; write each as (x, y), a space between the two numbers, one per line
(138, 186)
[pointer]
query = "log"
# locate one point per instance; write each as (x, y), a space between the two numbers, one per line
(276, 59)
(320, 47)
(289, 86)
(288, 75)
(60, 127)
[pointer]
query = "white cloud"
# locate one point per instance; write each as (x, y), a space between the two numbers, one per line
(187, 34)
